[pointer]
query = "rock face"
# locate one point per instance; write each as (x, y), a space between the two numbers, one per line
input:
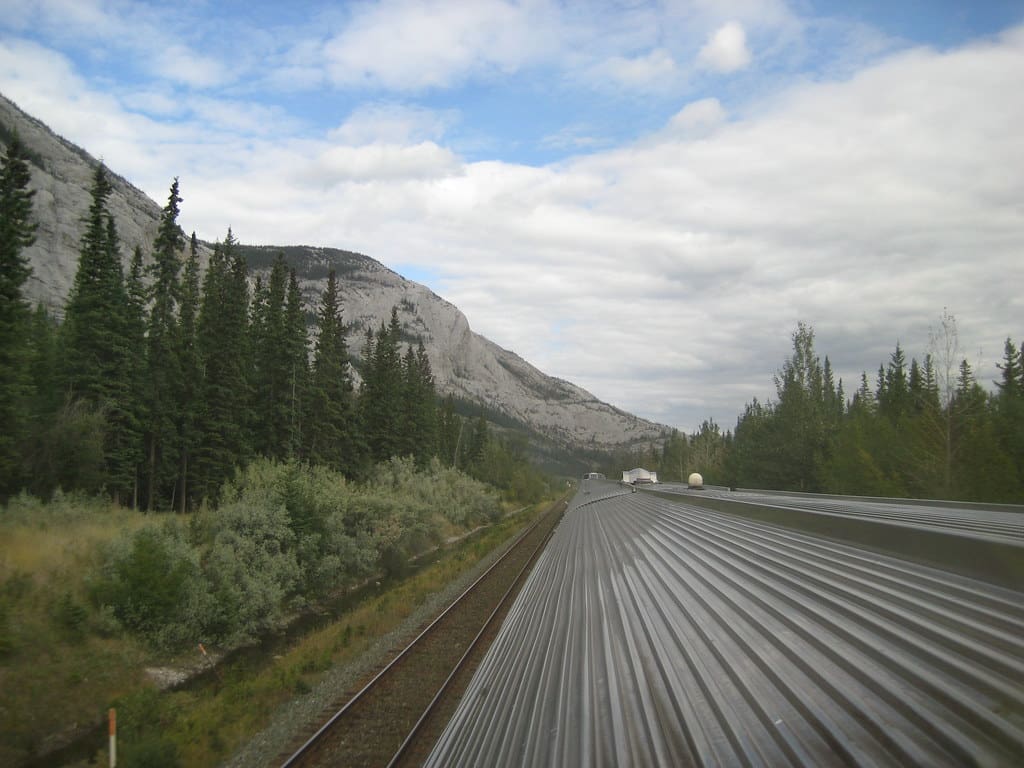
(465, 364)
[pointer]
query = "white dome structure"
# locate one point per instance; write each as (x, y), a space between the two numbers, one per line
(696, 481)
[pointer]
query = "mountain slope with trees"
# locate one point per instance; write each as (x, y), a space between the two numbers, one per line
(464, 364)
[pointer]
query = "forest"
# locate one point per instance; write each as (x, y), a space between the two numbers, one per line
(184, 461)
(156, 386)
(925, 429)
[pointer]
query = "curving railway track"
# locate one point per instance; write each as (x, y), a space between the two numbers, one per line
(654, 632)
(397, 715)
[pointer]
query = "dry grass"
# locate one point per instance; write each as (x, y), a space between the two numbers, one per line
(209, 725)
(56, 670)
(62, 667)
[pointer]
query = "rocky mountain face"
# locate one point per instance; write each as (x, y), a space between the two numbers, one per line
(465, 364)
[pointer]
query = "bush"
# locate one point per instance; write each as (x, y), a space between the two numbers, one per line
(6, 634)
(251, 568)
(70, 616)
(140, 730)
(152, 581)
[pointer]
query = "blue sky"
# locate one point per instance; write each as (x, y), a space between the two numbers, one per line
(642, 198)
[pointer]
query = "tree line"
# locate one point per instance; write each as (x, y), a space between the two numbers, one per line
(160, 382)
(922, 429)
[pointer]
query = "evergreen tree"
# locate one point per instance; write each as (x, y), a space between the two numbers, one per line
(273, 365)
(895, 401)
(982, 470)
(331, 432)
(222, 339)
(476, 447)
(449, 433)
(163, 364)
(97, 343)
(801, 413)
(757, 459)
(16, 234)
(380, 400)
(675, 458)
(190, 380)
(298, 360)
(863, 398)
(1009, 407)
(707, 452)
(420, 406)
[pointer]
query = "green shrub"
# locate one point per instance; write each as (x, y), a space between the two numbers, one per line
(6, 633)
(250, 566)
(70, 615)
(140, 732)
(152, 581)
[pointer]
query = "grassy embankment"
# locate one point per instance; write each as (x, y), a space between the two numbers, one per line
(62, 663)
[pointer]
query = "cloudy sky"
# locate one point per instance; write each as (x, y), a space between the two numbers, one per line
(643, 198)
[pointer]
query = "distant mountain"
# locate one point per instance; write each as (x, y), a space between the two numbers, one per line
(466, 365)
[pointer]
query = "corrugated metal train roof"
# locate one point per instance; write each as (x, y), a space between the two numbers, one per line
(655, 633)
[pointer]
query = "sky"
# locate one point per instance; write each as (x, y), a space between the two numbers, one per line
(642, 198)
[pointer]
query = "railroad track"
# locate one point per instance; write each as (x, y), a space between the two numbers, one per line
(395, 717)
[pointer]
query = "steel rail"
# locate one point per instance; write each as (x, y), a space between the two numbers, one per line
(399, 754)
(302, 752)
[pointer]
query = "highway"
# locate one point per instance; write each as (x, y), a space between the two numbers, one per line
(655, 632)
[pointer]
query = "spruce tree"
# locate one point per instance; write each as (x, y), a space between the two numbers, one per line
(16, 234)
(896, 402)
(801, 413)
(449, 433)
(273, 364)
(330, 434)
(190, 380)
(380, 399)
(163, 366)
(135, 365)
(1009, 407)
(297, 349)
(222, 341)
(419, 406)
(97, 343)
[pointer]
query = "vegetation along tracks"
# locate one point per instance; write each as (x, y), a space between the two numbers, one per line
(396, 717)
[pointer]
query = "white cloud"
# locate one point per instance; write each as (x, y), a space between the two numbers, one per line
(382, 163)
(726, 50)
(666, 275)
(405, 45)
(656, 69)
(698, 118)
(382, 122)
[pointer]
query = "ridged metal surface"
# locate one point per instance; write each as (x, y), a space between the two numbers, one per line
(655, 633)
(997, 522)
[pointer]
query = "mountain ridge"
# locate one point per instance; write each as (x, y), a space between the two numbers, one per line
(465, 364)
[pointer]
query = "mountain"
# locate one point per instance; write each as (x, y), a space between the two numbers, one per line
(465, 364)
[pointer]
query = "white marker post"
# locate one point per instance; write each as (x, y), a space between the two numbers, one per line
(113, 737)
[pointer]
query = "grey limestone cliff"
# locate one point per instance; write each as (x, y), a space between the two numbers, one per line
(465, 364)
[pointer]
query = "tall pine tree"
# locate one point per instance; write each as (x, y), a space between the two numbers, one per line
(16, 234)
(97, 342)
(272, 374)
(222, 340)
(190, 381)
(163, 364)
(380, 400)
(331, 434)
(419, 430)
(297, 350)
